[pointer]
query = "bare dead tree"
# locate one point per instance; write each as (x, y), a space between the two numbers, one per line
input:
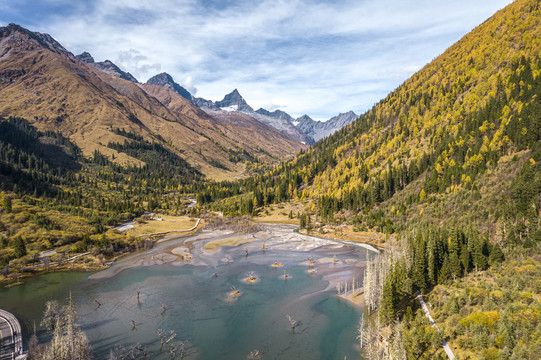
(141, 349)
(181, 348)
(138, 293)
(171, 336)
(34, 349)
(398, 346)
(161, 334)
(361, 331)
(134, 328)
(174, 350)
(46, 262)
(68, 340)
(294, 323)
(254, 354)
(52, 315)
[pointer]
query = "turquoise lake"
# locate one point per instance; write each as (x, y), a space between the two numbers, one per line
(198, 306)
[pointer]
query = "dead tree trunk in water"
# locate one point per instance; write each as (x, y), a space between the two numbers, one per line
(293, 322)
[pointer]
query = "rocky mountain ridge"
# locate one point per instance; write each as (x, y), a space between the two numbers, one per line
(166, 80)
(107, 67)
(303, 129)
(321, 129)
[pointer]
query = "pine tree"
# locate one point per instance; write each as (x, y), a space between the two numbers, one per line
(303, 221)
(389, 300)
(432, 261)
(6, 202)
(465, 258)
(496, 255)
(480, 253)
(19, 247)
(418, 272)
(445, 272)
(455, 266)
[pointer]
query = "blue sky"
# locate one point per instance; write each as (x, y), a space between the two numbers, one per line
(304, 57)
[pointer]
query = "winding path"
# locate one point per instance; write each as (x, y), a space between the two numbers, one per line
(446, 346)
(11, 340)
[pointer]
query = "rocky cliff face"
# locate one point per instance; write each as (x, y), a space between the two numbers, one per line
(284, 126)
(277, 114)
(205, 104)
(164, 79)
(107, 67)
(234, 101)
(321, 129)
(342, 120)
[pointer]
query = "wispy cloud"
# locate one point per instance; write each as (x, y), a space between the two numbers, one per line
(314, 57)
(133, 60)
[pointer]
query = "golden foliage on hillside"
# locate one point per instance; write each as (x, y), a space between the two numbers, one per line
(442, 99)
(444, 131)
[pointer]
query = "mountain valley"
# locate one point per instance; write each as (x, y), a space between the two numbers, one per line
(434, 193)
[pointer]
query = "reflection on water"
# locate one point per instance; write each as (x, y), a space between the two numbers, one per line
(195, 299)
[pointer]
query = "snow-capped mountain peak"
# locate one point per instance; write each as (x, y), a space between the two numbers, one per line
(234, 99)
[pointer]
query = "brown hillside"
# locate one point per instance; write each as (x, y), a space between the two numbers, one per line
(240, 130)
(44, 83)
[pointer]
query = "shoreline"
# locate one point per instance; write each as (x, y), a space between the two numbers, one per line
(356, 298)
(32, 271)
(177, 249)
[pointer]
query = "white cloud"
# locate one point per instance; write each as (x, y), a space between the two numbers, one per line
(132, 60)
(188, 85)
(272, 107)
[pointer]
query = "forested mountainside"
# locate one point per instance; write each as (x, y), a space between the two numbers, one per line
(449, 164)
(54, 198)
(448, 144)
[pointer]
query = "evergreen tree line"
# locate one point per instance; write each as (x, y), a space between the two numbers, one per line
(43, 173)
(434, 255)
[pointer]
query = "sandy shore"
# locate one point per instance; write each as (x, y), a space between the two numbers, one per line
(356, 297)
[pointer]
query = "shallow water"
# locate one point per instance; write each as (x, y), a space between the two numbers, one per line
(199, 310)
